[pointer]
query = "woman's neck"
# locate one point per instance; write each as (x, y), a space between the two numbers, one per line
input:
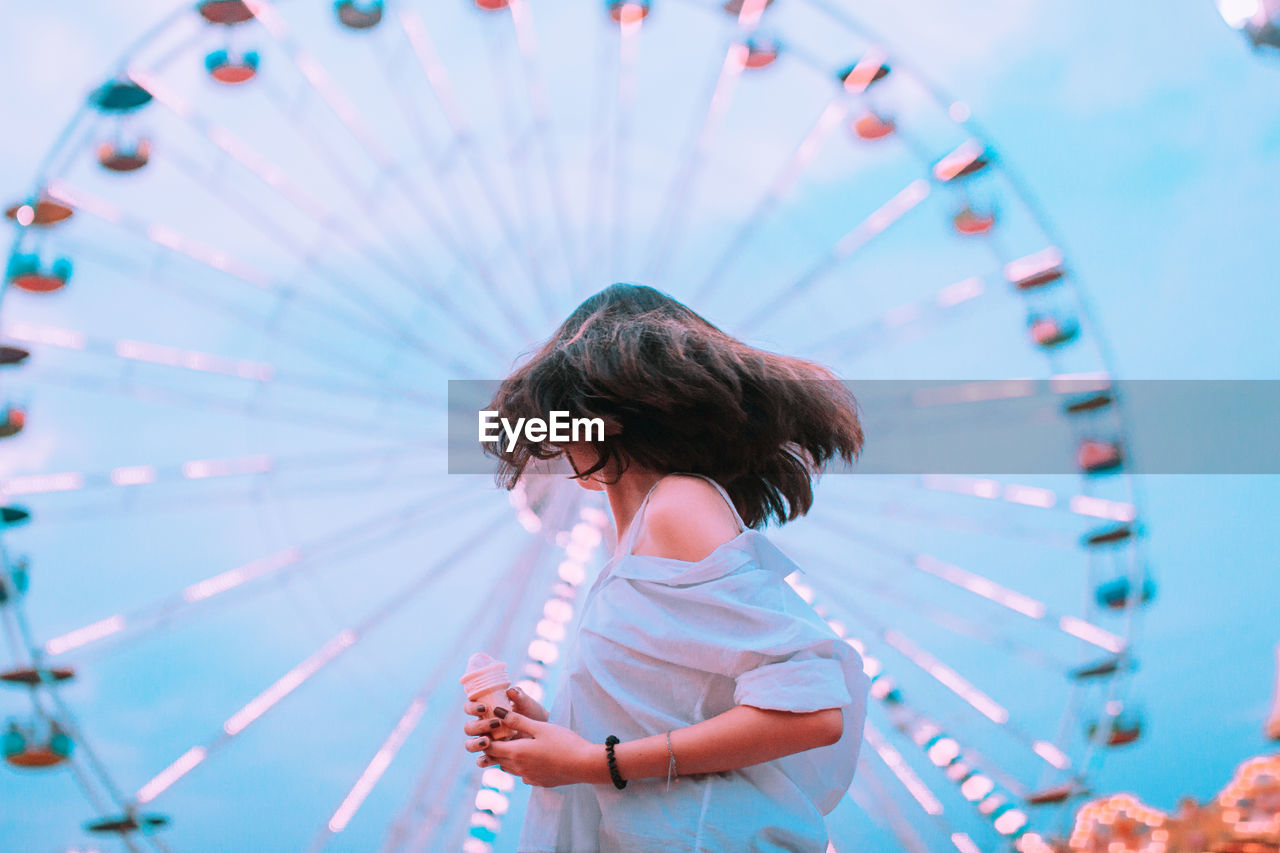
(626, 495)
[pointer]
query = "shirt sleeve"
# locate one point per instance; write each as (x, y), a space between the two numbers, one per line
(809, 680)
(736, 616)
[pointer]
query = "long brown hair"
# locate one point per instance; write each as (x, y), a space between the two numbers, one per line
(679, 395)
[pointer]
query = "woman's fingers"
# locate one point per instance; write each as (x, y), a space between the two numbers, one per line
(480, 727)
(475, 709)
(476, 744)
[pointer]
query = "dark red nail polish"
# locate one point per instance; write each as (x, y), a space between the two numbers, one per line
(500, 713)
(493, 724)
(480, 708)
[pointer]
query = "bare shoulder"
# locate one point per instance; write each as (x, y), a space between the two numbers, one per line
(686, 519)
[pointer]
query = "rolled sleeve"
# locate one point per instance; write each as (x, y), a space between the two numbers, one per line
(806, 681)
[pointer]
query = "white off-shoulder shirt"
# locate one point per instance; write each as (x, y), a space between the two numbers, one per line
(663, 644)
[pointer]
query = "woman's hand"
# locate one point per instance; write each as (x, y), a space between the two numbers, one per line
(480, 729)
(521, 702)
(544, 754)
(525, 705)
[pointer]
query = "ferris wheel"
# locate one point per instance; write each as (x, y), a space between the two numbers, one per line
(239, 585)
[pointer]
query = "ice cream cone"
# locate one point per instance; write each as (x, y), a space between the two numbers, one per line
(486, 681)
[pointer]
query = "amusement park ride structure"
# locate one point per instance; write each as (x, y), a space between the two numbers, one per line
(358, 238)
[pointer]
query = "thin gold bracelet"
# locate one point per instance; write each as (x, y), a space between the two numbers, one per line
(671, 765)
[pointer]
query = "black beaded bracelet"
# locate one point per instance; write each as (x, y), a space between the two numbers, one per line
(609, 743)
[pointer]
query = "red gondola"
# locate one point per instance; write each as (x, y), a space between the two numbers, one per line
(225, 11)
(1120, 731)
(626, 11)
(124, 158)
(1094, 456)
(12, 421)
(870, 126)
(23, 749)
(761, 52)
(43, 211)
(227, 68)
(970, 222)
(26, 272)
(1049, 332)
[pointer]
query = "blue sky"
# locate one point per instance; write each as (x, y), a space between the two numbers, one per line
(1149, 133)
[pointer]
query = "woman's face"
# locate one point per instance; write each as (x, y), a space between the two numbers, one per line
(582, 455)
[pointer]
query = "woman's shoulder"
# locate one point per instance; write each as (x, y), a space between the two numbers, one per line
(686, 519)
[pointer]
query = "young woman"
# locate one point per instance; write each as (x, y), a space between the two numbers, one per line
(705, 706)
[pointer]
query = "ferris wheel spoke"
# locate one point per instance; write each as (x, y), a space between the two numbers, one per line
(446, 180)
(985, 488)
(132, 505)
(517, 151)
(165, 612)
(974, 698)
(332, 225)
(540, 107)
(886, 807)
(258, 372)
(897, 765)
(958, 760)
(949, 520)
(666, 233)
(348, 114)
(663, 240)
(597, 155)
(432, 802)
(134, 476)
(905, 322)
(180, 287)
(372, 773)
(907, 199)
(269, 698)
(831, 117)
(985, 588)
(488, 625)
(168, 240)
(631, 17)
(151, 392)
(949, 620)
(441, 86)
(425, 289)
(977, 780)
(444, 175)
